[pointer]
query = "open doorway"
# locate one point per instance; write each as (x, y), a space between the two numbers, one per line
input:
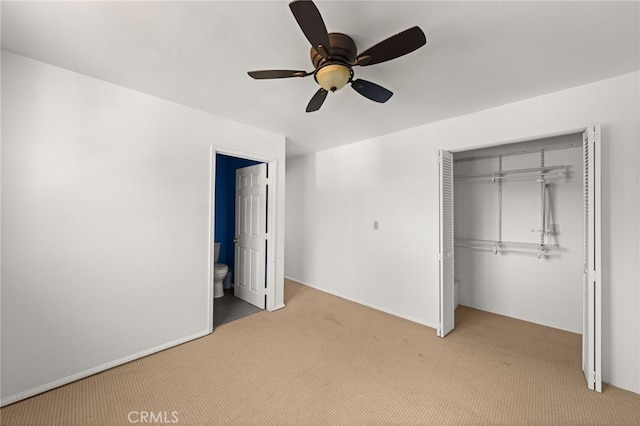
(232, 268)
(523, 225)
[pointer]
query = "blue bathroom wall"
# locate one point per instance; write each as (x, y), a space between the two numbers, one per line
(224, 230)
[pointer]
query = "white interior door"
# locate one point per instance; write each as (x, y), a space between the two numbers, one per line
(251, 234)
(446, 322)
(592, 289)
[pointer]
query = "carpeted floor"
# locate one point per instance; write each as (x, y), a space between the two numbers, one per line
(325, 360)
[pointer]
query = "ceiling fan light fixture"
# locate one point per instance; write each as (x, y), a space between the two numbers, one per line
(334, 54)
(333, 77)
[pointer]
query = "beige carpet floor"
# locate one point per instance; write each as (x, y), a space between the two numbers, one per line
(325, 360)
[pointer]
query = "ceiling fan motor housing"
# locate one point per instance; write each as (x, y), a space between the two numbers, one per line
(342, 49)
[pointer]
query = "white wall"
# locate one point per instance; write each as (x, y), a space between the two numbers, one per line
(105, 222)
(330, 241)
(547, 290)
(334, 196)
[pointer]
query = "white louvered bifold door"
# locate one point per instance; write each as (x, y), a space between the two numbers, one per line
(446, 321)
(591, 311)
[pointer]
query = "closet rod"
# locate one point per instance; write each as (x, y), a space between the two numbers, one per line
(536, 177)
(497, 250)
(491, 243)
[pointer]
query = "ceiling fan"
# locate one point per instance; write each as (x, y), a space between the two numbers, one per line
(334, 55)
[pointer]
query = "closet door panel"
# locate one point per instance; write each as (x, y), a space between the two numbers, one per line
(591, 330)
(447, 308)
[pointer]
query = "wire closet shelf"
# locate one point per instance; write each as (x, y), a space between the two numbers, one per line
(540, 175)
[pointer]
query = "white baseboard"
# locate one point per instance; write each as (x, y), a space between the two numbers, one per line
(368, 305)
(86, 373)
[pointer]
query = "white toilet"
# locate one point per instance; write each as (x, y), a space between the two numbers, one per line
(219, 273)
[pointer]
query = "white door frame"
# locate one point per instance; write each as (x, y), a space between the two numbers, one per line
(273, 285)
(592, 306)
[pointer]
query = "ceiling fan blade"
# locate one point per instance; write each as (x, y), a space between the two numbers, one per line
(371, 90)
(393, 47)
(312, 25)
(317, 100)
(266, 74)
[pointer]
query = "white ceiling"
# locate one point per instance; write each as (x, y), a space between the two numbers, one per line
(478, 55)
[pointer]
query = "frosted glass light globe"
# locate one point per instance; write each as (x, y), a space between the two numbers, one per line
(333, 77)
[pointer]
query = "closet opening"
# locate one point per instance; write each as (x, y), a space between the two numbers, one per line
(519, 235)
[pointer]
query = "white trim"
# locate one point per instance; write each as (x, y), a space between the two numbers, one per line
(91, 371)
(490, 144)
(212, 202)
(368, 305)
(276, 307)
(597, 134)
(272, 211)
